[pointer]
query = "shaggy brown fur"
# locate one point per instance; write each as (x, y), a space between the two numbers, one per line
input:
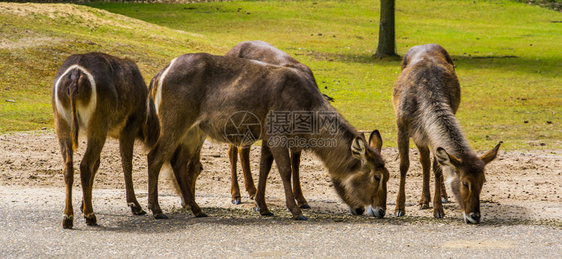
(426, 97)
(202, 91)
(100, 95)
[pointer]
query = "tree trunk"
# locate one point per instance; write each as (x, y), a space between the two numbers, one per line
(387, 42)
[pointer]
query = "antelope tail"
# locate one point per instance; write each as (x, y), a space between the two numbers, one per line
(151, 127)
(74, 128)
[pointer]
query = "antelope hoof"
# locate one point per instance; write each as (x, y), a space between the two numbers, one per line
(138, 213)
(236, 201)
(201, 215)
(67, 222)
(439, 214)
(424, 206)
(357, 211)
(266, 213)
(160, 216)
(91, 219)
(301, 217)
(137, 210)
(399, 213)
(304, 206)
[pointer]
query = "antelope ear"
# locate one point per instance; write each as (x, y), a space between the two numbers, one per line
(491, 155)
(358, 148)
(404, 62)
(375, 140)
(446, 159)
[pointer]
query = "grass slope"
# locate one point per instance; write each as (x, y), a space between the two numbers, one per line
(507, 55)
(36, 38)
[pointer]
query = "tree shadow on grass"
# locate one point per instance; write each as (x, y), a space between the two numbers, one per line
(362, 58)
(544, 66)
(548, 67)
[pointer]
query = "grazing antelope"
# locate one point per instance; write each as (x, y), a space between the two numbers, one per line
(265, 52)
(100, 95)
(426, 97)
(202, 92)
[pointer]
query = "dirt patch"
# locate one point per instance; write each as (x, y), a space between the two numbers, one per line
(29, 42)
(522, 186)
(66, 12)
(76, 17)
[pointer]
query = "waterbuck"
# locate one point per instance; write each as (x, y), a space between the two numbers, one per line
(235, 100)
(100, 95)
(426, 97)
(265, 52)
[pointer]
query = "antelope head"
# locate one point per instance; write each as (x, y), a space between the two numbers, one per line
(466, 178)
(367, 186)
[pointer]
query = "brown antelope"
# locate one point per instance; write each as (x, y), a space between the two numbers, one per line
(265, 52)
(100, 95)
(426, 97)
(206, 93)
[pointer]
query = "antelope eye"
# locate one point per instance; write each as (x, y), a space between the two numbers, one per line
(465, 184)
(377, 178)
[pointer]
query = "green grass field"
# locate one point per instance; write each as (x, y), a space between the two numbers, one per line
(508, 55)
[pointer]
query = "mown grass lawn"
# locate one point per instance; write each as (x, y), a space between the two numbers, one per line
(508, 56)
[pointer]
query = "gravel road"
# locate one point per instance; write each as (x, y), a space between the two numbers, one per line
(31, 229)
(522, 212)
